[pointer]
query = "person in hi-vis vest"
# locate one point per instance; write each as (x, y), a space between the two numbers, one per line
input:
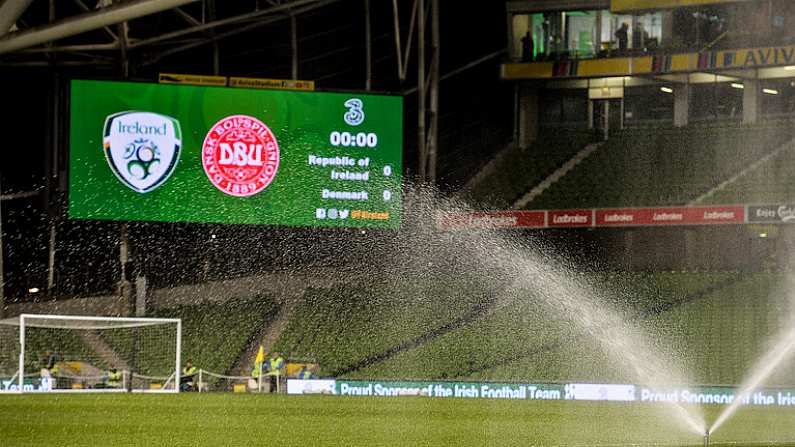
(113, 378)
(305, 373)
(186, 379)
(274, 367)
(255, 381)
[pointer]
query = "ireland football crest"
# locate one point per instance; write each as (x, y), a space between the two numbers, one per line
(142, 148)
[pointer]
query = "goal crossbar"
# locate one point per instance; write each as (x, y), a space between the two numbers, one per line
(86, 321)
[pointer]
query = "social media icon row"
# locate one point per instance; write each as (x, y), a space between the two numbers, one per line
(331, 213)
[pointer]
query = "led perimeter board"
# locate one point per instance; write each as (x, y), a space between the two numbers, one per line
(174, 153)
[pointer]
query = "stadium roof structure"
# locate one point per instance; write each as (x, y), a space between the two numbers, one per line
(86, 35)
(139, 36)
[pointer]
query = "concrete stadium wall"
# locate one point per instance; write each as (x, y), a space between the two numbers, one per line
(94, 305)
(281, 286)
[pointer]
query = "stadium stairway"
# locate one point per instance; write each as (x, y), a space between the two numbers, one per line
(555, 176)
(516, 170)
(215, 334)
(348, 329)
(767, 180)
(477, 312)
(488, 169)
(94, 341)
(268, 334)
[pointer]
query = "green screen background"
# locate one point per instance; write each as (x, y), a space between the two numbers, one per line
(301, 122)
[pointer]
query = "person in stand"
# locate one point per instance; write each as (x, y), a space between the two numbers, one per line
(305, 373)
(253, 383)
(188, 374)
(527, 47)
(274, 368)
(51, 369)
(623, 37)
(52, 362)
(639, 37)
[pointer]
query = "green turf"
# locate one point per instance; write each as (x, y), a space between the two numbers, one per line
(249, 420)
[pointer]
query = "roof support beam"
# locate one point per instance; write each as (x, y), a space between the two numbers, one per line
(85, 8)
(10, 11)
(227, 21)
(315, 4)
(86, 22)
(187, 17)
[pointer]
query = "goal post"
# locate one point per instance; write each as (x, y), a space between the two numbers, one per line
(69, 353)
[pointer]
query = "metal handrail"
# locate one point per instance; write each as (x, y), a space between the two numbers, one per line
(715, 41)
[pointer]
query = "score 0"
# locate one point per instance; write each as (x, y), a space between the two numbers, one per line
(387, 173)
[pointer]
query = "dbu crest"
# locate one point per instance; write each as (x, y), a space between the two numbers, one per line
(142, 148)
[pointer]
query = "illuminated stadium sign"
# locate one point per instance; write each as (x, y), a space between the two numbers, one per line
(179, 153)
(635, 5)
(771, 213)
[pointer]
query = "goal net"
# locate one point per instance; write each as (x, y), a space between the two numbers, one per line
(89, 354)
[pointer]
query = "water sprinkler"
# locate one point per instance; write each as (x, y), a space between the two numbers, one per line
(706, 438)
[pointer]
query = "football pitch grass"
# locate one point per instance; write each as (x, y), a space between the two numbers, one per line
(249, 420)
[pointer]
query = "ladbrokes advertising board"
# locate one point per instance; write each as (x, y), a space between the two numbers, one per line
(210, 154)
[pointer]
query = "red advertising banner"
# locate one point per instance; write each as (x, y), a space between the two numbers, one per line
(570, 218)
(670, 216)
(493, 220)
(606, 217)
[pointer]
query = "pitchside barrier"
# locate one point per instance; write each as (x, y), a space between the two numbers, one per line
(64, 353)
(203, 381)
(208, 381)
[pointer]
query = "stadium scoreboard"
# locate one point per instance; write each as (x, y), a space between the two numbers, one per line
(176, 153)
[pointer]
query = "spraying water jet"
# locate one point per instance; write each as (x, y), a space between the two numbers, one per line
(766, 366)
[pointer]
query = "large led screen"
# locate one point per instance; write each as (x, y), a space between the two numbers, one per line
(150, 152)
